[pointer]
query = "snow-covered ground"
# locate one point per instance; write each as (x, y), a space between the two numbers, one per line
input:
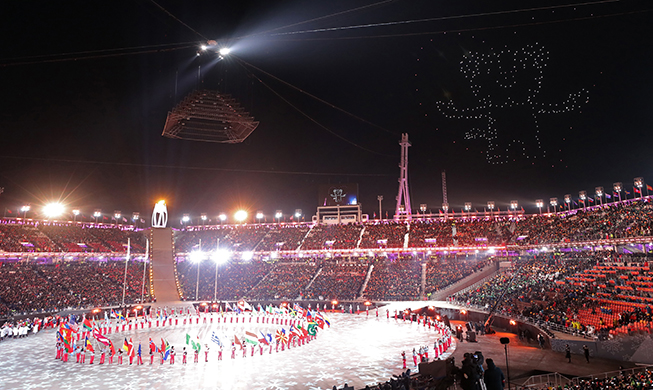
(356, 349)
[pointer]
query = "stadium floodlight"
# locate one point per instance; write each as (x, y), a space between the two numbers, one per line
(240, 215)
(568, 201)
(599, 191)
(298, 213)
(136, 216)
(203, 47)
(617, 189)
(185, 218)
(52, 210)
(196, 256)
(514, 204)
(76, 212)
(554, 203)
(278, 214)
(422, 208)
(97, 213)
(639, 183)
(247, 256)
(539, 203)
(224, 51)
(25, 209)
(468, 206)
(203, 217)
(490, 205)
(117, 214)
(222, 217)
(221, 256)
(445, 207)
(260, 215)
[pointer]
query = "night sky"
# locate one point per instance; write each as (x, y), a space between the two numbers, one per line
(513, 105)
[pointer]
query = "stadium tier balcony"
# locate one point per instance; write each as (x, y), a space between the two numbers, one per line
(384, 234)
(285, 281)
(395, 280)
(338, 281)
(333, 237)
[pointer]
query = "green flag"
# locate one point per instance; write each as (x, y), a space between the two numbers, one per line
(187, 338)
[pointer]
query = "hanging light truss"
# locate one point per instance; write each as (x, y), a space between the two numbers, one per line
(209, 116)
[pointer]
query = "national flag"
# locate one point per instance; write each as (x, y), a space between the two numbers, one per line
(590, 199)
(607, 196)
(627, 193)
(263, 339)
(237, 342)
(112, 349)
(139, 349)
(198, 345)
(300, 310)
(88, 325)
(302, 331)
(100, 337)
(88, 345)
(312, 328)
(319, 321)
(153, 346)
(114, 314)
(125, 345)
(637, 190)
(251, 338)
(649, 188)
(187, 339)
(281, 336)
(216, 339)
(165, 349)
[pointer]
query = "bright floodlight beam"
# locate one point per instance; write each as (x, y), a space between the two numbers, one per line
(196, 256)
(240, 215)
(221, 256)
(52, 210)
(224, 51)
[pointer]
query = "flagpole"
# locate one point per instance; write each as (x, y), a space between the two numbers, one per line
(124, 282)
(215, 290)
(147, 247)
(197, 284)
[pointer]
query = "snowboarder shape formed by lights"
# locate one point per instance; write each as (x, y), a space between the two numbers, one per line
(506, 85)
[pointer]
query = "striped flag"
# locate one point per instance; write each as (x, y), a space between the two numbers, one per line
(251, 338)
(99, 337)
(216, 339)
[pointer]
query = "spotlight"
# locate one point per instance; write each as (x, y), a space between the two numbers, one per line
(240, 215)
(224, 51)
(53, 210)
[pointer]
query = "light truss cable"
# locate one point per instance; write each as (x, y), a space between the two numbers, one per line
(316, 98)
(441, 18)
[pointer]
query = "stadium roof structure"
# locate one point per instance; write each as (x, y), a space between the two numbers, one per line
(209, 116)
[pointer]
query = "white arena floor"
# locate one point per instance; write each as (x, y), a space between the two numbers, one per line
(356, 349)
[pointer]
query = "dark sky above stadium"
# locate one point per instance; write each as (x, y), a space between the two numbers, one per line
(515, 100)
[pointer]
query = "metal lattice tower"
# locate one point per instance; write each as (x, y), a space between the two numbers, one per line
(403, 209)
(209, 116)
(445, 201)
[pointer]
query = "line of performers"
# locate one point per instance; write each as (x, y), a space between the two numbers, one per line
(107, 356)
(108, 326)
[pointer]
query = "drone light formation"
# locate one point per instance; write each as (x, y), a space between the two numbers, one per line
(506, 82)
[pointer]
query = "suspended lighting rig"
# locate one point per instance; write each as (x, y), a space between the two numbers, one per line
(209, 116)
